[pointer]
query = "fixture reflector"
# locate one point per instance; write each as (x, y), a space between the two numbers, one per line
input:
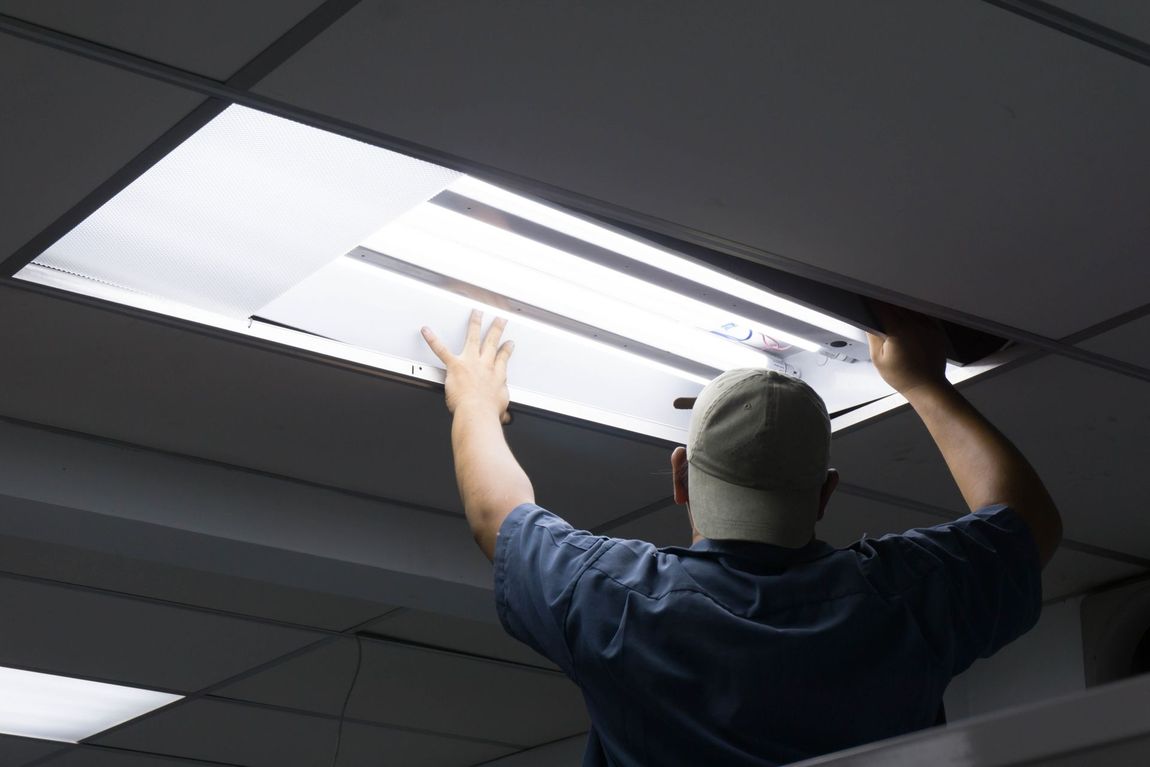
(50, 707)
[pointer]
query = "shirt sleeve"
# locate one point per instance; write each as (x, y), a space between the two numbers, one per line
(539, 560)
(975, 584)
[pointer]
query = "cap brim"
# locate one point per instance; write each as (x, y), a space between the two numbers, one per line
(723, 511)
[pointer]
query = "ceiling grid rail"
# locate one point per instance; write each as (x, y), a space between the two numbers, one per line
(1080, 27)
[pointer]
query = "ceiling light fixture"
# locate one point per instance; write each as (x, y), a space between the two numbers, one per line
(50, 707)
(281, 232)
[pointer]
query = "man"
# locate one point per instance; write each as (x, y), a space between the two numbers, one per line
(759, 645)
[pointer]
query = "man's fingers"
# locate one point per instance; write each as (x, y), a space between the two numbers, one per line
(441, 351)
(474, 325)
(505, 418)
(503, 355)
(494, 333)
(875, 344)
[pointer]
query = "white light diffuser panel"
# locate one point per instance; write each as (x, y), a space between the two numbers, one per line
(241, 211)
(256, 223)
(49, 707)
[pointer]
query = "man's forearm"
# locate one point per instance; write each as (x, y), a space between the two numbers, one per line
(491, 482)
(987, 467)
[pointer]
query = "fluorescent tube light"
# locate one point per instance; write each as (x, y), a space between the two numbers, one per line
(489, 258)
(647, 254)
(50, 707)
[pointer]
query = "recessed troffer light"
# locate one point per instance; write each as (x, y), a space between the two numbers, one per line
(273, 229)
(50, 707)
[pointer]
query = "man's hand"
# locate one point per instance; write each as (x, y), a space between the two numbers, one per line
(986, 466)
(477, 376)
(491, 481)
(912, 353)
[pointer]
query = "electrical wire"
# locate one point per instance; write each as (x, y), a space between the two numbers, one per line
(347, 698)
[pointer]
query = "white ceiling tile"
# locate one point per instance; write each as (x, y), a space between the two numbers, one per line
(1130, 17)
(69, 124)
(74, 633)
(103, 373)
(1082, 427)
(968, 154)
(448, 632)
(184, 585)
(588, 476)
(244, 735)
(1072, 572)
(426, 690)
(668, 526)
(1129, 342)
(1122, 753)
(209, 37)
(562, 753)
(16, 751)
(80, 756)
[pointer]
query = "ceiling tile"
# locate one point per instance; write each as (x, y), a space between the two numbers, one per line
(448, 632)
(209, 37)
(81, 756)
(75, 633)
(970, 160)
(103, 373)
(562, 753)
(1129, 342)
(245, 735)
(69, 124)
(427, 690)
(1083, 428)
(668, 526)
(19, 751)
(1130, 17)
(1073, 572)
(585, 475)
(184, 585)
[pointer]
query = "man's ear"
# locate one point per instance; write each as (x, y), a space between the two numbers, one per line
(679, 474)
(829, 485)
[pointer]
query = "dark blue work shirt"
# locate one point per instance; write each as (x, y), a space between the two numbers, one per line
(740, 653)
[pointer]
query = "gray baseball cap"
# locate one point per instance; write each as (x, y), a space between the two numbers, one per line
(758, 450)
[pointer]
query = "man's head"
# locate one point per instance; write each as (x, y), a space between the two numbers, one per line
(757, 459)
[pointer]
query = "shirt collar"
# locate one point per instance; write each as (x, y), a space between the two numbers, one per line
(765, 553)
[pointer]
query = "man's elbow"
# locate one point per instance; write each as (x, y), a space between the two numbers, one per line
(486, 519)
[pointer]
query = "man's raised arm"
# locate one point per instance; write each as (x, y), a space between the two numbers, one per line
(987, 467)
(491, 482)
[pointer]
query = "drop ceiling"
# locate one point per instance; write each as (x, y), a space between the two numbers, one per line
(187, 512)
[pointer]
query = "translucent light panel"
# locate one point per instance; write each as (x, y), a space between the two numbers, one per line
(241, 211)
(50, 707)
